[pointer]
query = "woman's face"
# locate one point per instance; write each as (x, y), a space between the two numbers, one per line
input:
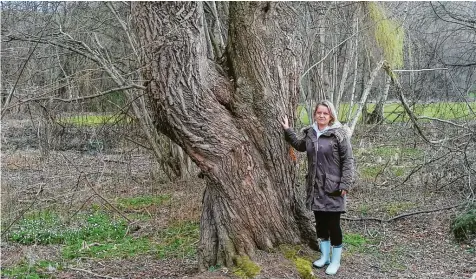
(322, 116)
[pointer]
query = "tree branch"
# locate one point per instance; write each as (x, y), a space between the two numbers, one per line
(460, 65)
(87, 54)
(327, 54)
(402, 215)
(403, 100)
(420, 70)
(461, 22)
(441, 120)
(95, 95)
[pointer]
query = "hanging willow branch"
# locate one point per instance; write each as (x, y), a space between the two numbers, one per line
(389, 35)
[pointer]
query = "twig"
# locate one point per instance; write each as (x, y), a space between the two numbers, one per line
(106, 201)
(92, 273)
(115, 161)
(402, 215)
(421, 70)
(382, 170)
(81, 207)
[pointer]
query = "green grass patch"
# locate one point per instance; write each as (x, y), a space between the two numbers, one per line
(40, 269)
(94, 235)
(443, 110)
(42, 228)
(398, 171)
(124, 247)
(392, 151)
(245, 267)
(355, 243)
(354, 239)
(396, 113)
(179, 240)
(93, 120)
(364, 209)
(371, 171)
(395, 208)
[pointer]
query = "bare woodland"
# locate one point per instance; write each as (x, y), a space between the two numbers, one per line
(193, 93)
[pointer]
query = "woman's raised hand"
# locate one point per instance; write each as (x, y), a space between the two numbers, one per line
(284, 122)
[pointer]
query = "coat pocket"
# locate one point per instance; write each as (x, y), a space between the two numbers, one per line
(331, 185)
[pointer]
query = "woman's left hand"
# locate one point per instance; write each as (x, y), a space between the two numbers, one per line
(343, 193)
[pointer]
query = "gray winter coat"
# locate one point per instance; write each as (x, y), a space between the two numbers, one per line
(330, 166)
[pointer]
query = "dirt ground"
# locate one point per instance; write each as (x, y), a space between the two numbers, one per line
(417, 246)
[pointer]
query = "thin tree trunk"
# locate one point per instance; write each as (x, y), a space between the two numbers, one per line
(350, 53)
(365, 94)
(356, 69)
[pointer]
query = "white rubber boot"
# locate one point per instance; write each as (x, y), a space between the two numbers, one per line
(325, 253)
(335, 262)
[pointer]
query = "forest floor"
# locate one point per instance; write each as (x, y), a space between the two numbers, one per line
(125, 181)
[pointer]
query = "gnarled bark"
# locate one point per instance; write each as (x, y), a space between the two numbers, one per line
(225, 118)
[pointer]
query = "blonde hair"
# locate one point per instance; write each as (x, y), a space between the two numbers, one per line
(332, 110)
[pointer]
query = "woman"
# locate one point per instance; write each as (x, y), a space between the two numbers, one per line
(330, 175)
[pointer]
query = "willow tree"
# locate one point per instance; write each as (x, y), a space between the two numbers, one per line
(389, 35)
(225, 116)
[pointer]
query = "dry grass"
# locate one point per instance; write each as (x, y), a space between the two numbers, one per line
(420, 246)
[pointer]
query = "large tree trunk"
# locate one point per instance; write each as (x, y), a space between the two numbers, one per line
(226, 118)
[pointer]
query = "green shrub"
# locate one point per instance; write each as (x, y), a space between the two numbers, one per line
(464, 225)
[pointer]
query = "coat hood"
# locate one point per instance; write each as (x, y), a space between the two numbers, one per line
(338, 129)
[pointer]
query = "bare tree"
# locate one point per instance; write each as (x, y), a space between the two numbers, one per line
(103, 60)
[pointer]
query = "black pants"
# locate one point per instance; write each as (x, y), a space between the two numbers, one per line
(328, 225)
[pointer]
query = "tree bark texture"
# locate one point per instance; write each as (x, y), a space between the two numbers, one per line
(225, 117)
